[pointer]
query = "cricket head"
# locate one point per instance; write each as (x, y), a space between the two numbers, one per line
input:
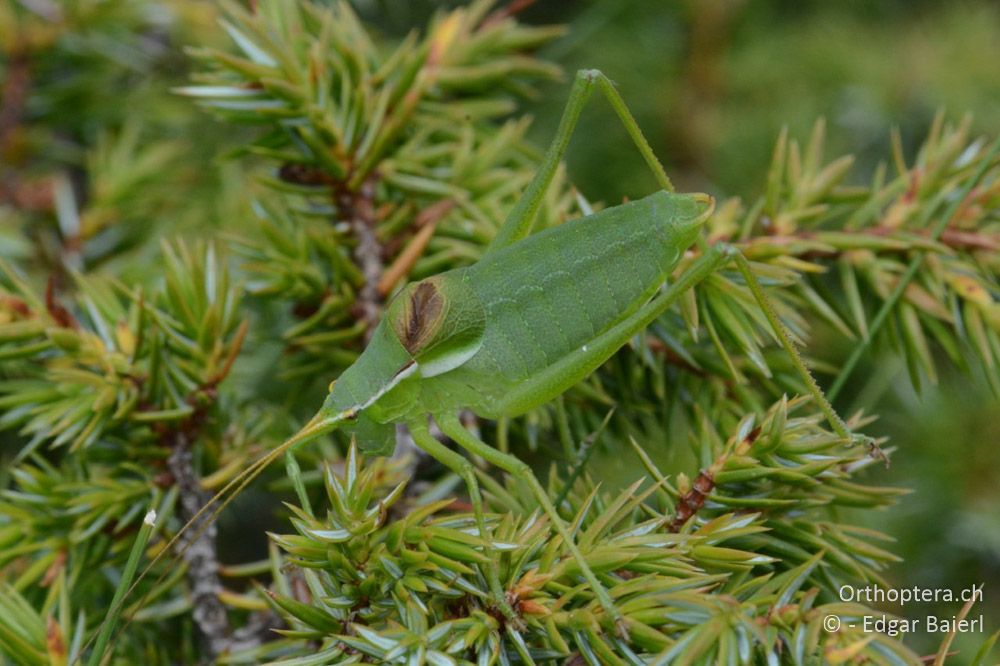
(692, 210)
(430, 327)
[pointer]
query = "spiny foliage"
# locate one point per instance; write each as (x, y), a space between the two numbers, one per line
(861, 238)
(102, 396)
(398, 584)
(377, 161)
(399, 146)
(124, 365)
(832, 254)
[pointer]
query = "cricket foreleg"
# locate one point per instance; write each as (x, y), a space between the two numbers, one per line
(520, 220)
(785, 339)
(520, 470)
(465, 470)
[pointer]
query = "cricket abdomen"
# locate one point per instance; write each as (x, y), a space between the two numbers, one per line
(551, 293)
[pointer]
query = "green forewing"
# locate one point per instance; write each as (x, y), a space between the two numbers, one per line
(546, 296)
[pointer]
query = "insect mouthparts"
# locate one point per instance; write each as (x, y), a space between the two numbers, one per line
(406, 366)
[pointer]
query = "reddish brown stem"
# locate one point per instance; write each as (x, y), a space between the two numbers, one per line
(691, 502)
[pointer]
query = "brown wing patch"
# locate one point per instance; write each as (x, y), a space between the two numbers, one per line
(421, 316)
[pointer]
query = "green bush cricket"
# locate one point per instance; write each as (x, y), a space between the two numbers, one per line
(534, 316)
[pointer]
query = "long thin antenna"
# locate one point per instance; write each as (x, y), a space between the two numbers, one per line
(317, 426)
